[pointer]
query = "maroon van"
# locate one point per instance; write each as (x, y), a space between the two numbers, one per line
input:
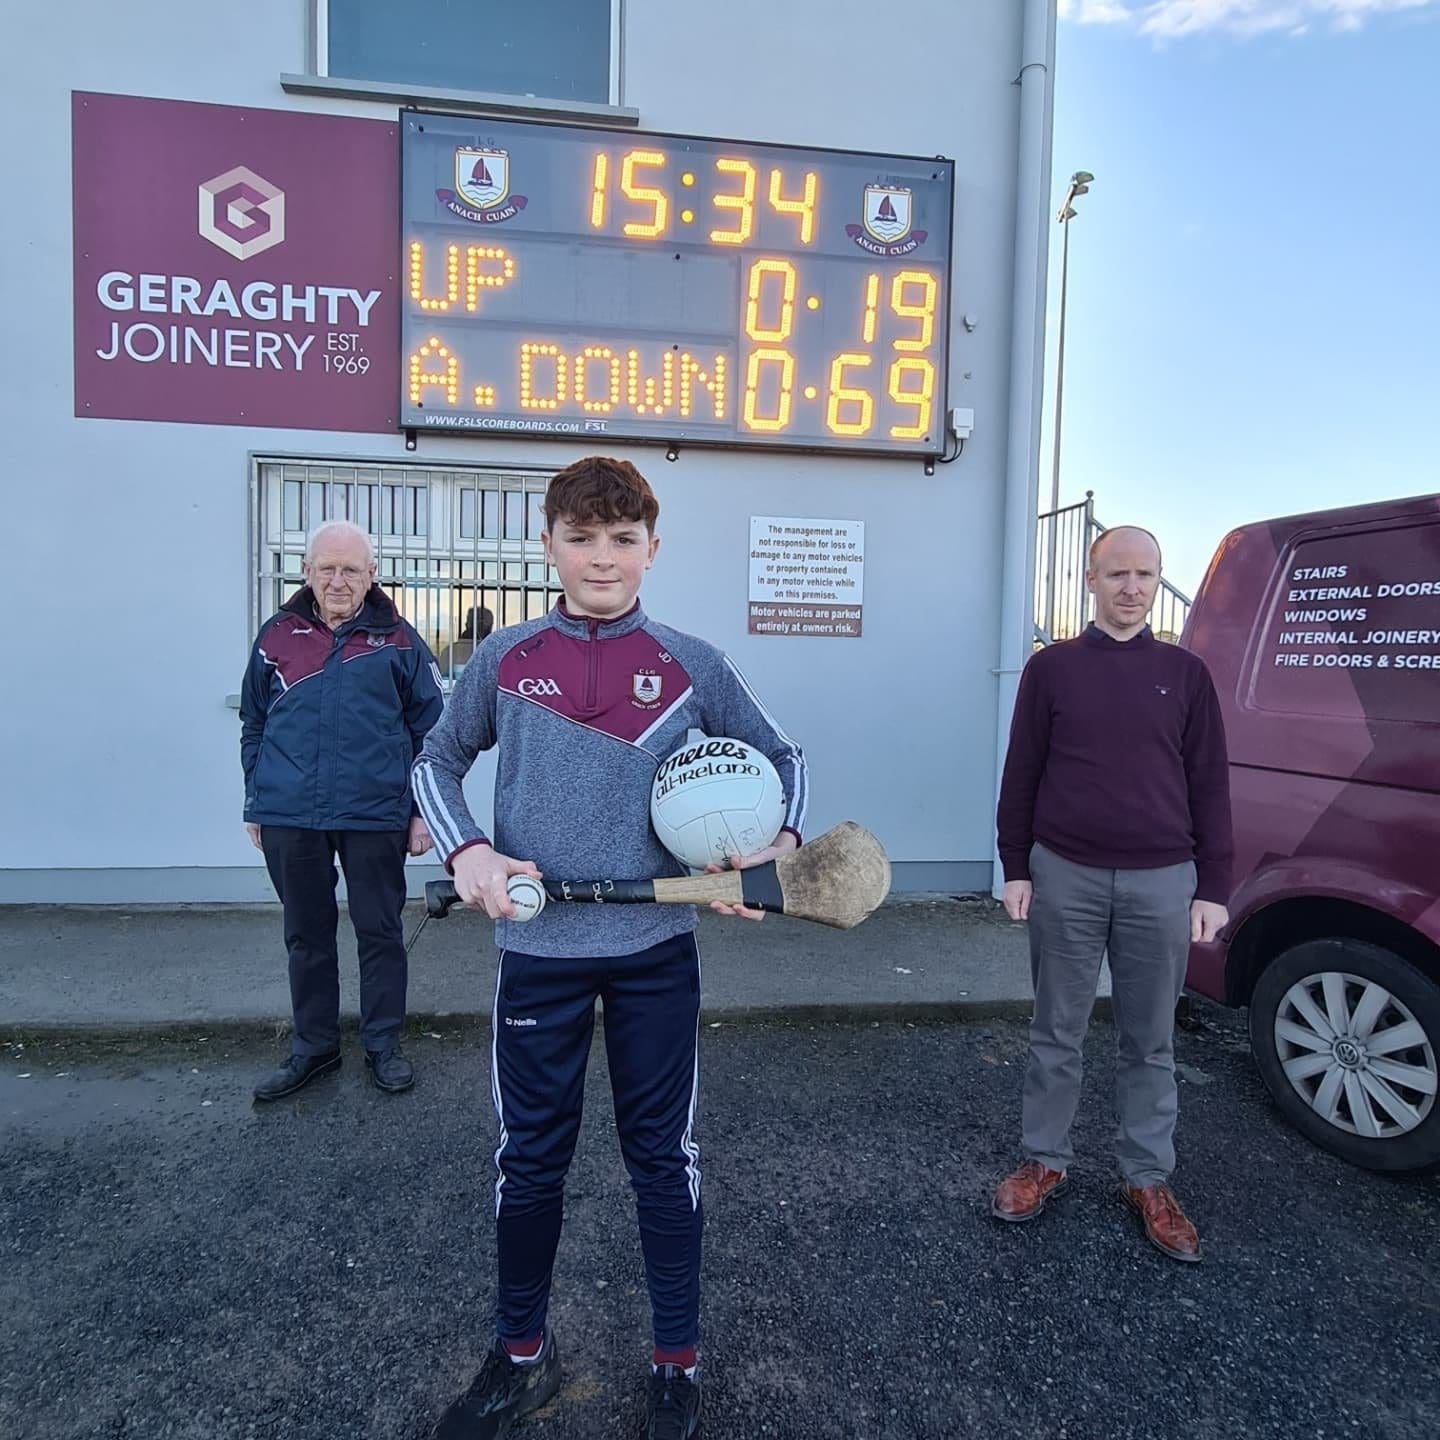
(1322, 633)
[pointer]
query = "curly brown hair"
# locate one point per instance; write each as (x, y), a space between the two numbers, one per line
(600, 491)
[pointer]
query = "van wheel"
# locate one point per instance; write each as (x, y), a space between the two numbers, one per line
(1346, 1036)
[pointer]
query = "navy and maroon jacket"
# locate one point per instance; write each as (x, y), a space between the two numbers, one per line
(332, 720)
(583, 712)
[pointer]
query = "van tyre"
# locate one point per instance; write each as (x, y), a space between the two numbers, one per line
(1346, 1035)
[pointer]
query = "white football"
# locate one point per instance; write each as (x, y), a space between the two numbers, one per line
(716, 798)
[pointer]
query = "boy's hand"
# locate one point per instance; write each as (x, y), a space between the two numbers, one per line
(784, 845)
(480, 876)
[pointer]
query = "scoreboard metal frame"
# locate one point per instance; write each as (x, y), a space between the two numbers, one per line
(570, 281)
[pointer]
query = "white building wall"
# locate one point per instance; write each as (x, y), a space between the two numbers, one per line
(128, 559)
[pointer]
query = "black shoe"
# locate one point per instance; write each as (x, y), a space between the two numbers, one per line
(500, 1395)
(672, 1406)
(390, 1070)
(297, 1072)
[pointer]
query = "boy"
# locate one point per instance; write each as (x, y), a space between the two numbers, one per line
(584, 704)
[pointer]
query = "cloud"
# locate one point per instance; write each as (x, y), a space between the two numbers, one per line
(1175, 19)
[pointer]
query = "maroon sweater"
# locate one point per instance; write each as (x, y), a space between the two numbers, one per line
(1117, 760)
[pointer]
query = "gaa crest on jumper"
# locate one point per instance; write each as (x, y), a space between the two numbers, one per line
(645, 689)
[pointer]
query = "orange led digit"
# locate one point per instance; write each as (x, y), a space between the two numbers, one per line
(872, 302)
(446, 379)
(769, 424)
(924, 312)
(804, 207)
(592, 354)
(758, 271)
(417, 277)
(530, 351)
(645, 194)
(597, 192)
(922, 399)
(841, 394)
(744, 202)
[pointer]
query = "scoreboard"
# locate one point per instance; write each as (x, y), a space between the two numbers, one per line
(570, 280)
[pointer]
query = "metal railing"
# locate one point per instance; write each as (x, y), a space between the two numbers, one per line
(1064, 605)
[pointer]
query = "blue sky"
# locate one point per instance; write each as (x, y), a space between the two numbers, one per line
(1254, 299)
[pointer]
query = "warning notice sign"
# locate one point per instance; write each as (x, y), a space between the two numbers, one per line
(807, 577)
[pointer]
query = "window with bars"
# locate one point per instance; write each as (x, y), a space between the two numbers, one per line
(457, 549)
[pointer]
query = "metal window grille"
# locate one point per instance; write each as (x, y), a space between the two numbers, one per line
(456, 548)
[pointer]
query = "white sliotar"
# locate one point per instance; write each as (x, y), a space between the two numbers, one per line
(527, 895)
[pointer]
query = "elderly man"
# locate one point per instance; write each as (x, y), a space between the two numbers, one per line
(338, 697)
(1114, 831)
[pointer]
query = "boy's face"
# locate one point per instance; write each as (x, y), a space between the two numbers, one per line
(601, 566)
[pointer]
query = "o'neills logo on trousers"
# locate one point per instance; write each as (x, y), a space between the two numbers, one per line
(338, 307)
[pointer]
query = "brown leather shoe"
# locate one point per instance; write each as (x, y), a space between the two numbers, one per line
(1022, 1194)
(1166, 1226)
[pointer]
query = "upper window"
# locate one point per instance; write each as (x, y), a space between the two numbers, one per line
(549, 49)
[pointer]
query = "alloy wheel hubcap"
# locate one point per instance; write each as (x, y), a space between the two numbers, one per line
(1356, 1054)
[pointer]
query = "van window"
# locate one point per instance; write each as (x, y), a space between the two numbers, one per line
(1355, 628)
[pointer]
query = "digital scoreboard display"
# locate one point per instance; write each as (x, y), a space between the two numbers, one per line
(568, 280)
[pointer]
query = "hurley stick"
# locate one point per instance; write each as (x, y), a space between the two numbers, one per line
(836, 880)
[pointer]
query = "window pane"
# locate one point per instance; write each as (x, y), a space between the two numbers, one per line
(514, 515)
(292, 504)
(490, 523)
(554, 49)
(467, 514)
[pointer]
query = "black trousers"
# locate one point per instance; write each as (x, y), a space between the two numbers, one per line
(302, 869)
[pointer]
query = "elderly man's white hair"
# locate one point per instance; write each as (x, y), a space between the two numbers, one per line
(340, 528)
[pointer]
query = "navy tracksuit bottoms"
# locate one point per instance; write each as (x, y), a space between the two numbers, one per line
(543, 1022)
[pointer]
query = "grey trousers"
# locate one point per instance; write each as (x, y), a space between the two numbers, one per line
(1142, 919)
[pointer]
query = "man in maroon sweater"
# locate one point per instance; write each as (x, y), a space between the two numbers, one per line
(1114, 831)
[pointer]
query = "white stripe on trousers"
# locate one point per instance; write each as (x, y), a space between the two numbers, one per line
(495, 1084)
(687, 1140)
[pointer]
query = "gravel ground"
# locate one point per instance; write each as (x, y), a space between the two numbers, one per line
(175, 1263)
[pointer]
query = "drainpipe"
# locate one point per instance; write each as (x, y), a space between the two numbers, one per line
(1036, 82)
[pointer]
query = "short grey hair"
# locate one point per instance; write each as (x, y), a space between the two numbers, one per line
(340, 527)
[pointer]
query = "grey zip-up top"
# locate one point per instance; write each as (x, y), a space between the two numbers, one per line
(584, 711)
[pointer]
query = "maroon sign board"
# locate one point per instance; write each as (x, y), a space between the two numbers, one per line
(234, 266)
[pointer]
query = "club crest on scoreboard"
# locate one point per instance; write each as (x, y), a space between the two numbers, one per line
(889, 222)
(645, 688)
(482, 187)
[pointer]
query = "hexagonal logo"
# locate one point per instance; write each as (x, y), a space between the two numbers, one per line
(242, 213)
